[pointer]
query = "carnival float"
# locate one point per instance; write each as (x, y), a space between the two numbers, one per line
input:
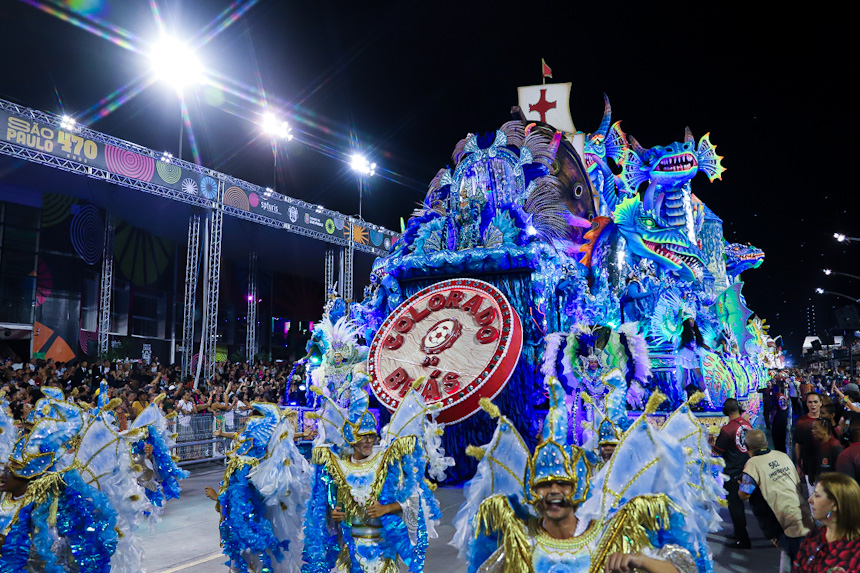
(539, 254)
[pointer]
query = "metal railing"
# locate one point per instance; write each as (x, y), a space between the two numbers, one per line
(195, 439)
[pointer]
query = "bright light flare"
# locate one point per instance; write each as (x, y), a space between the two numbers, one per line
(275, 127)
(360, 164)
(827, 272)
(175, 64)
(68, 123)
(532, 231)
(819, 290)
(839, 237)
(167, 157)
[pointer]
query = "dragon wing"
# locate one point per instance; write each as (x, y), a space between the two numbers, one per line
(616, 144)
(709, 162)
(500, 472)
(633, 172)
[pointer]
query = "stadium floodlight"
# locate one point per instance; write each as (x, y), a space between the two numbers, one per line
(839, 237)
(360, 164)
(175, 63)
(167, 157)
(827, 272)
(819, 290)
(68, 123)
(276, 127)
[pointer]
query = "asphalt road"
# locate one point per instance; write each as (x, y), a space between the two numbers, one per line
(186, 541)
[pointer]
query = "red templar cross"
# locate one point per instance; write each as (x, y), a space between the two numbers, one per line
(542, 106)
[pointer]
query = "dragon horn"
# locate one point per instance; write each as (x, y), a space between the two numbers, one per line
(607, 117)
(688, 136)
(635, 145)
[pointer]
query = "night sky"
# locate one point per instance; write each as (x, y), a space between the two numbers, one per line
(404, 81)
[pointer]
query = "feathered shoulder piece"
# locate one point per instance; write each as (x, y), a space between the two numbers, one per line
(499, 475)
(630, 529)
(497, 515)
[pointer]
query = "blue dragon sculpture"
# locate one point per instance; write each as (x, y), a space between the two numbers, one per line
(668, 246)
(740, 258)
(608, 142)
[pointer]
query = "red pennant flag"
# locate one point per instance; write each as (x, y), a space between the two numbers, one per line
(547, 71)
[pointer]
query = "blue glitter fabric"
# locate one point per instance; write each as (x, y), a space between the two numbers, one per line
(403, 478)
(321, 546)
(16, 548)
(244, 525)
(85, 522)
(168, 471)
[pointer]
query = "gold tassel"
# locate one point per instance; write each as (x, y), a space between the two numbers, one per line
(654, 402)
(39, 489)
(233, 465)
(317, 390)
(628, 530)
(320, 456)
(490, 408)
(159, 398)
(496, 514)
(419, 382)
(313, 415)
(172, 415)
(52, 512)
(696, 398)
(586, 398)
(430, 484)
(112, 405)
(475, 452)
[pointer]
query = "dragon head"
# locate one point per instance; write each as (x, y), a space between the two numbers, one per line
(742, 257)
(674, 164)
(667, 246)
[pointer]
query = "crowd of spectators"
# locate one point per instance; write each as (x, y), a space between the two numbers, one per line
(814, 421)
(136, 384)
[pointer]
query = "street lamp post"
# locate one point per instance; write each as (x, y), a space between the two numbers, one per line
(829, 272)
(851, 298)
(364, 168)
(175, 64)
(278, 130)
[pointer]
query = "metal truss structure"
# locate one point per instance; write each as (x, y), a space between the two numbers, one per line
(349, 255)
(214, 221)
(213, 286)
(251, 326)
(328, 277)
(37, 156)
(192, 262)
(106, 290)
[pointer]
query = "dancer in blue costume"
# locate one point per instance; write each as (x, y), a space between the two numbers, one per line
(558, 517)
(51, 519)
(371, 506)
(250, 537)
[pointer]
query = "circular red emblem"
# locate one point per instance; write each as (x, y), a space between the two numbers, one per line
(461, 334)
